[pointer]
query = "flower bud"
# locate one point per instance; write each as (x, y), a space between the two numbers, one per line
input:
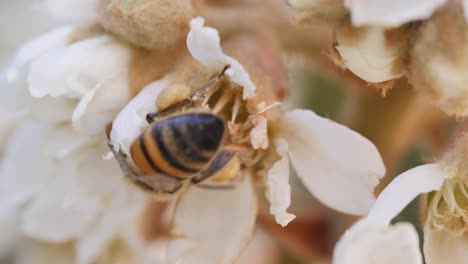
(151, 24)
(454, 161)
(374, 54)
(439, 60)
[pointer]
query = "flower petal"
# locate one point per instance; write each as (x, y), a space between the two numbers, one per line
(278, 190)
(123, 214)
(99, 106)
(72, 10)
(370, 56)
(52, 40)
(131, 121)
(390, 13)
(50, 218)
(259, 133)
(339, 166)
(229, 213)
(204, 45)
(369, 243)
(75, 69)
(81, 186)
(33, 251)
(9, 216)
(404, 188)
(16, 177)
(442, 247)
(63, 141)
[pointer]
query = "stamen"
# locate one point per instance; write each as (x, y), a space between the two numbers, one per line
(235, 108)
(435, 204)
(461, 185)
(268, 107)
(446, 211)
(222, 102)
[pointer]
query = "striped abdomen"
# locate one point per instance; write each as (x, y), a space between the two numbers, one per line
(178, 146)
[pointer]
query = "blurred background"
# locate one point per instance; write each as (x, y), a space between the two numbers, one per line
(406, 129)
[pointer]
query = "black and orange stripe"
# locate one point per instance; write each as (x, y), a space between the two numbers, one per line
(178, 146)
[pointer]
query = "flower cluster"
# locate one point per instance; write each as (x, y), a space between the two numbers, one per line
(385, 40)
(380, 42)
(105, 160)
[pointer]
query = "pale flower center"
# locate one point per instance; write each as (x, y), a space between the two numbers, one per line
(448, 208)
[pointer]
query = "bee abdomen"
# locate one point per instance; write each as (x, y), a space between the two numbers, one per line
(181, 145)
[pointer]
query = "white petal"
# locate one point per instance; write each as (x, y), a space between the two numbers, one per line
(204, 45)
(80, 188)
(52, 40)
(51, 218)
(9, 216)
(262, 249)
(390, 13)
(371, 243)
(131, 121)
(32, 251)
(72, 10)
(259, 133)
(370, 57)
(240, 76)
(63, 141)
(278, 190)
(124, 214)
(100, 106)
(74, 70)
(403, 189)
(81, 107)
(213, 226)
(338, 166)
(15, 176)
(441, 247)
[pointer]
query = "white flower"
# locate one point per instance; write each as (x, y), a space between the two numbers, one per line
(372, 239)
(390, 13)
(73, 196)
(336, 164)
(95, 71)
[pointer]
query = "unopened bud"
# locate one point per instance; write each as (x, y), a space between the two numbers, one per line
(374, 54)
(454, 162)
(151, 24)
(439, 60)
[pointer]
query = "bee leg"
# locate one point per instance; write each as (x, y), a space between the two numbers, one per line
(150, 117)
(221, 159)
(199, 93)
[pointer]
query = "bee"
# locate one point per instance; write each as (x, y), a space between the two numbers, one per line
(181, 143)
